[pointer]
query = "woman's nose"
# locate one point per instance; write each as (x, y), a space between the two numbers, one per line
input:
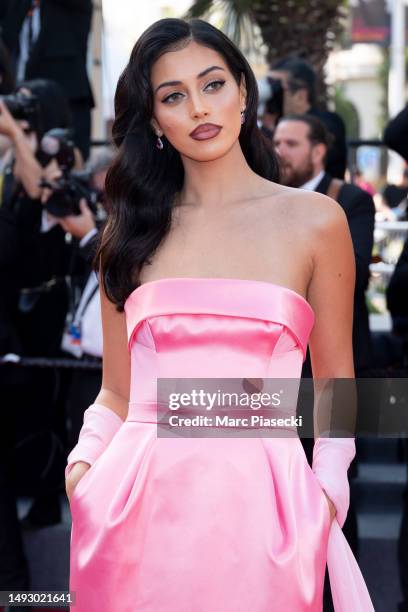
(198, 107)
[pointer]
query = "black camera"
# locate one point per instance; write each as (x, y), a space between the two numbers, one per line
(73, 185)
(68, 190)
(25, 108)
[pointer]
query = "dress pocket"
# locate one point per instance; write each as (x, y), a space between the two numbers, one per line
(322, 493)
(80, 483)
(319, 488)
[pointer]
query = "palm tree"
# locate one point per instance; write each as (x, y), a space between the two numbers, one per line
(305, 28)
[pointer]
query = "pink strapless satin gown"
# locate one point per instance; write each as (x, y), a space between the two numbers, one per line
(206, 524)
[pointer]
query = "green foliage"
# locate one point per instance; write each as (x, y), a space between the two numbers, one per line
(347, 112)
(383, 78)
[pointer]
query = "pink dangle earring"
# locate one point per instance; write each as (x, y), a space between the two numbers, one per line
(242, 116)
(159, 143)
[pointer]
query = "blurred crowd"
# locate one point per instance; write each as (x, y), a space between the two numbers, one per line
(52, 210)
(312, 147)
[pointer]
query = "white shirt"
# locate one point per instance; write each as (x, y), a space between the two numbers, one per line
(89, 314)
(49, 221)
(88, 236)
(313, 183)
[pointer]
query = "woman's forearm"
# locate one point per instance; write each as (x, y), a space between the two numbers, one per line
(335, 407)
(113, 401)
(335, 414)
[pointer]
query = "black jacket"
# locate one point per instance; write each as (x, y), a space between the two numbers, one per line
(336, 161)
(396, 133)
(9, 249)
(60, 51)
(397, 293)
(10, 341)
(360, 211)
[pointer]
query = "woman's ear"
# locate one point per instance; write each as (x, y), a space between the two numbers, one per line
(156, 127)
(242, 92)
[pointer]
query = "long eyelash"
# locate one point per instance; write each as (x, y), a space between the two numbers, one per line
(218, 81)
(169, 96)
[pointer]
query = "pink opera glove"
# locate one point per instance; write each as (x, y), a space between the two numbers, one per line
(331, 460)
(99, 427)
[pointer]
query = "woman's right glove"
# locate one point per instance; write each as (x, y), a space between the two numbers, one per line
(99, 427)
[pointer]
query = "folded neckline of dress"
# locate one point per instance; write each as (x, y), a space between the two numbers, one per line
(218, 278)
(280, 304)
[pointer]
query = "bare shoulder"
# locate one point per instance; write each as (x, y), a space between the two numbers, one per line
(315, 211)
(308, 217)
(322, 235)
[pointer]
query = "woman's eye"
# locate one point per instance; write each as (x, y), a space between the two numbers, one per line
(214, 85)
(172, 97)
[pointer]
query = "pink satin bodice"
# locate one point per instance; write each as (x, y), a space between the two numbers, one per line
(214, 328)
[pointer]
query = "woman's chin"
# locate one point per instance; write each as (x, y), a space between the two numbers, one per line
(207, 151)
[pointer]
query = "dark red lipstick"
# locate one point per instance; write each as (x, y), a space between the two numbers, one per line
(206, 131)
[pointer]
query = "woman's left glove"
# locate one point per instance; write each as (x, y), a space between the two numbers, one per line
(331, 461)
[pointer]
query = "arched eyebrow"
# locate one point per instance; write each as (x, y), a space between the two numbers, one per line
(199, 76)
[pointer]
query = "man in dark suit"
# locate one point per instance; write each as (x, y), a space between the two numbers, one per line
(395, 137)
(48, 39)
(301, 142)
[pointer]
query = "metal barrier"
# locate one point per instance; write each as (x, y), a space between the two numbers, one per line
(49, 362)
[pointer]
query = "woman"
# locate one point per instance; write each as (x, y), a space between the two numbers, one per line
(187, 523)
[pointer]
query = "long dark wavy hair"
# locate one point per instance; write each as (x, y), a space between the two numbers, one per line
(142, 181)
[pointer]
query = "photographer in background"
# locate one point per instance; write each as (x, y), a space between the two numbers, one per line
(39, 309)
(28, 446)
(48, 39)
(40, 105)
(83, 332)
(34, 108)
(292, 83)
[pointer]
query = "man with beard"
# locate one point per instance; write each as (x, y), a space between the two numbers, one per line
(302, 141)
